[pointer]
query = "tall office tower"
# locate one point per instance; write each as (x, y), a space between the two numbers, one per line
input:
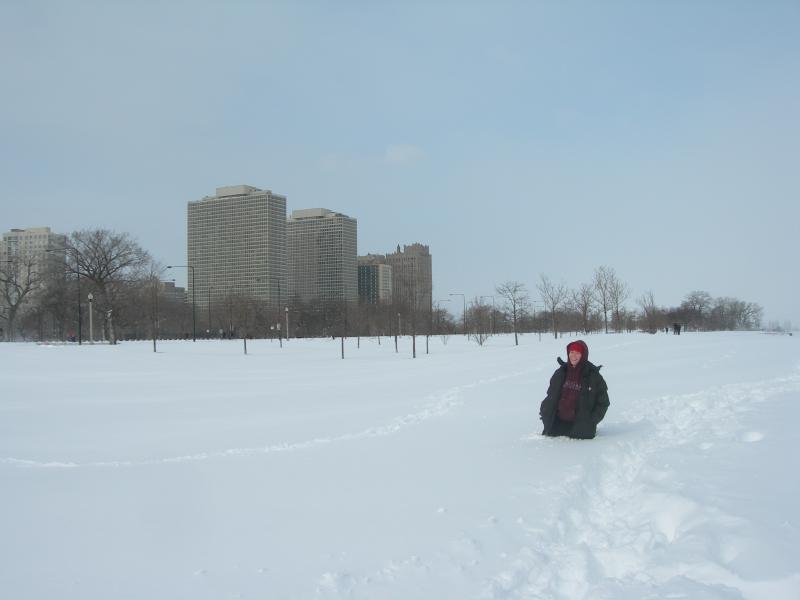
(28, 247)
(322, 256)
(374, 279)
(237, 247)
(412, 277)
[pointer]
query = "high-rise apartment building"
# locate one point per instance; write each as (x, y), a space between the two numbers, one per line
(237, 246)
(374, 279)
(34, 241)
(412, 276)
(322, 256)
(29, 249)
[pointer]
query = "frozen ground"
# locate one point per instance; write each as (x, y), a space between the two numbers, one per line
(198, 472)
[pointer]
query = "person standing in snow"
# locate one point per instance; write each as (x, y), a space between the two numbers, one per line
(577, 398)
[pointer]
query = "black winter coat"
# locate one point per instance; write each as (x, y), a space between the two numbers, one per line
(591, 405)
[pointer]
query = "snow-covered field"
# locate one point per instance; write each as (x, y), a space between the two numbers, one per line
(198, 472)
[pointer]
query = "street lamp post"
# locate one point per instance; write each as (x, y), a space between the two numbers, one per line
(80, 312)
(194, 320)
(91, 314)
(464, 298)
(155, 314)
(277, 280)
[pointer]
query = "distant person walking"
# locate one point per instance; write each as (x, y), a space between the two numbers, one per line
(577, 398)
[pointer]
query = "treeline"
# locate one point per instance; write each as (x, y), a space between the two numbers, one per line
(49, 300)
(601, 305)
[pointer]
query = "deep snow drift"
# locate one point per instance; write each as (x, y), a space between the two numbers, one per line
(198, 472)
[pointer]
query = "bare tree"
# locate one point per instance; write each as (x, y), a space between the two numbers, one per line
(583, 301)
(696, 307)
(479, 317)
(752, 315)
(517, 301)
(554, 297)
(733, 314)
(618, 292)
(649, 311)
(444, 323)
(602, 285)
(111, 261)
(54, 298)
(18, 278)
(628, 319)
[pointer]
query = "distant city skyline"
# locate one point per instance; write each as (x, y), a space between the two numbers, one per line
(515, 139)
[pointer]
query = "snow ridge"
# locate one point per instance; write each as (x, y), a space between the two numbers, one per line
(438, 405)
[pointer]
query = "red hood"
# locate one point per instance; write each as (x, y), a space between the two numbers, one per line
(584, 350)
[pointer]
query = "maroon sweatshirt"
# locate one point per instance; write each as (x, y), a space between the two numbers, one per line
(567, 404)
(569, 394)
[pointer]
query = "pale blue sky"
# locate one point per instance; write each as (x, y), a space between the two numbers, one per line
(514, 138)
